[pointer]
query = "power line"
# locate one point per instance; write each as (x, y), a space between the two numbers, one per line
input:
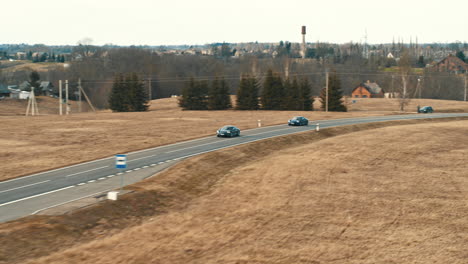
(237, 77)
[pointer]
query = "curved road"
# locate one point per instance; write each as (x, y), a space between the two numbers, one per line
(30, 194)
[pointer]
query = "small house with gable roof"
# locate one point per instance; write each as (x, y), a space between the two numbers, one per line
(452, 64)
(368, 90)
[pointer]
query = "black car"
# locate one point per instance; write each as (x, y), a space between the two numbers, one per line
(426, 109)
(298, 121)
(228, 131)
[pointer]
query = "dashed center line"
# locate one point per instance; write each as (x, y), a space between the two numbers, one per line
(100, 179)
(83, 183)
(91, 181)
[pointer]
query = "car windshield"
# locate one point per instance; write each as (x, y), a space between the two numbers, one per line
(296, 118)
(226, 128)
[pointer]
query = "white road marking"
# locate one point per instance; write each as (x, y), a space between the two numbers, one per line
(140, 158)
(137, 169)
(110, 176)
(83, 183)
(270, 131)
(24, 186)
(161, 162)
(153, 165)
(69, 201)
(129, 171)
(190, 147)
(34, 196)
(86, 171)
(144, 167)
(100, 179)
(120, 173)
(91, 181)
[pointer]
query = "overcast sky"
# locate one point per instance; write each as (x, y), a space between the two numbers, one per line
(156, 22)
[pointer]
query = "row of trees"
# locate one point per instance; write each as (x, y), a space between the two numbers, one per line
(200, 95)
(275, 94)
(128, 94)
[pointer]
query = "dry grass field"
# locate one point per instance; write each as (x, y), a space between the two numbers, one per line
(335, 199)
(34, 144)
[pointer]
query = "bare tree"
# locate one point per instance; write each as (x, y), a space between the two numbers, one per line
(405, 71)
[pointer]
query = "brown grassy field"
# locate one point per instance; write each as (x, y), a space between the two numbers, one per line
(34, 144)
(20, 65)
(334, 200)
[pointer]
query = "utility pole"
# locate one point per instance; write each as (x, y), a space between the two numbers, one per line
(393, 88)
(326, 87)
(150, 95)
(32, 104)
(67, 108)
(86, 97)
(79, 95)
(465, 86)
(60, 100)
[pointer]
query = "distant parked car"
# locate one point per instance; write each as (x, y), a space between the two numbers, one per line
(426, 109)
(298, 121)
(228, 131)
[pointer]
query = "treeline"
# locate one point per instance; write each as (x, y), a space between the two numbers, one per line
(276, 94)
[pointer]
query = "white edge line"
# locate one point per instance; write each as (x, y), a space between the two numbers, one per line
(37, 195)
(37, 211)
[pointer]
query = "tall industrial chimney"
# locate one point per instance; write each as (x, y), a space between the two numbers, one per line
(303, 46)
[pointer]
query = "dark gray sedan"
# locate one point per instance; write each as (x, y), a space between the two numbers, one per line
(298, 121)
(228, 131)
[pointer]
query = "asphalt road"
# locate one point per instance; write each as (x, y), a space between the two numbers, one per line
(31, 194)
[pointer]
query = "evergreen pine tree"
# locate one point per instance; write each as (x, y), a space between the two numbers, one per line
(117, 95)
(195, 95)
(247, 94)
(224, 95)
(306, 101)
(218, 97)
(461, 55)
(273, 92)
(243, 94)
(138, 92)
(292, 95)
(253, 102)
(267, 92)
(34, 78)
(335, 102)
(128, 94)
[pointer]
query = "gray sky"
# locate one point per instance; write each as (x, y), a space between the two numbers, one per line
(156, 22)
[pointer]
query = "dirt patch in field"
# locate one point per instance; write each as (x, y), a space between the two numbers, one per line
(294, 199)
